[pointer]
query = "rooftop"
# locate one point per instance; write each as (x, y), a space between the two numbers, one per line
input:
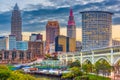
(96, 12)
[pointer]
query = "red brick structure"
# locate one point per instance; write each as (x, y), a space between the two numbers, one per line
(16, 57)
(36, 47)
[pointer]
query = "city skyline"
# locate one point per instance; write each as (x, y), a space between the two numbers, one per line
(34, 21)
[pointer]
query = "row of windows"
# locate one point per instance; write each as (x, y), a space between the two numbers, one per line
(14, 55)
(86, 15)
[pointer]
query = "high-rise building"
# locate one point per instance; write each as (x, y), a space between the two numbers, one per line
(71, 27)
(52, 31)
(96, 29)
(16, 23)
(3, 43)
(65, 44)
(12, 42)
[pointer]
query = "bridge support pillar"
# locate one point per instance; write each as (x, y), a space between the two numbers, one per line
(93, 57)
(66, 59)
(112, 62)
(81, 59)
(111, 54)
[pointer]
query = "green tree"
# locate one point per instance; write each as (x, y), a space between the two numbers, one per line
(47, 56)
(102, 66)
(75, 64)
(6, 74)
(74, 72)
(87, 66)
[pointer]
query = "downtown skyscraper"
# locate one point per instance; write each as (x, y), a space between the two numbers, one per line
(16, 23)
(71, 27)
(96, 29)
(52, 31)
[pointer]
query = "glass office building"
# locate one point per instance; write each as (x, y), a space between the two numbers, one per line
(22, 45)
(96, 29)
(12, 42)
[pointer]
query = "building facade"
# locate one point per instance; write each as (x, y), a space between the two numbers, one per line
(33, 37)
(96, 29)
(39, 37)
(36, 37)
(115, 42)
(65, 44)
(78, 46)
(16, 57)
(12, 42)
(4, 43)
(71, 27)
(22, 45)
(52, 31)
(52, 48)
(16, 23)
(36, 47)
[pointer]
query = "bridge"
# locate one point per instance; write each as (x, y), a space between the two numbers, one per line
(110, 54)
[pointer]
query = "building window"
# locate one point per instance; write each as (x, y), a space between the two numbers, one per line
(6, 55)
(0, 56)
(28, 55)
(21, 55)
(13, 55)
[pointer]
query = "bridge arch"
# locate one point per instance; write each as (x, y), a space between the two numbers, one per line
(116, 61)
(102, 58)
(87, 59)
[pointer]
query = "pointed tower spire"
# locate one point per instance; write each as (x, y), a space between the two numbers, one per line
(71, 18)
(16, 7)
(71, 12)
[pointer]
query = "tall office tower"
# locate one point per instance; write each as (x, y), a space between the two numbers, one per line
(52, 31)
(16, 23)
(96, 29)
(71, 28)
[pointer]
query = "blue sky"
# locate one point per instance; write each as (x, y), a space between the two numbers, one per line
(36, 13)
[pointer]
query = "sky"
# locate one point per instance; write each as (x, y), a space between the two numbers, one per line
(36, 13)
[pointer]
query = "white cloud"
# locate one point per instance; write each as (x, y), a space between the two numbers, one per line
(73, 2)
(8, 5)
(24, 4)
